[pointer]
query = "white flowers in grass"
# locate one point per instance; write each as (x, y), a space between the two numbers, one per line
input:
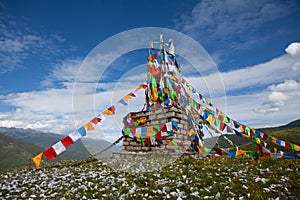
(205, 179)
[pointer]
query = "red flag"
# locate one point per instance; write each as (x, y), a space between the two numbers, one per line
(222, 126)
(183, 81)
(198, 106)
(265, 136)
(200, 96)
(49, 153)
(218, 151)
(96, 120)
(112, 109)
(109, 111)
(67, 141)
(158, 135)
(163, 128)
(287, 145)
(144, 86)
(131, 94)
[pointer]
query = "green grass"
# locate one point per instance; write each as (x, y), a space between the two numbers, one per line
(16, 153)
(186, 178)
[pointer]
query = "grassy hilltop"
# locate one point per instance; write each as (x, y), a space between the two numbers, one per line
(186, 178)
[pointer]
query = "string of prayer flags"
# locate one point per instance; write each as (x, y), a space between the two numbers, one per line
(159, 132)
(61, 146)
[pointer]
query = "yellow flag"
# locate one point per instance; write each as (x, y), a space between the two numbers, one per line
(89, 126)
(192, 131)
(210, 118)
(107, 112)
(150, 129)
(257, 140)
(127, 98)
(240, 152)
(37, 160)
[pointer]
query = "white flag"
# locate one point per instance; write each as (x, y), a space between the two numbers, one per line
(75, 136)
(59, 147)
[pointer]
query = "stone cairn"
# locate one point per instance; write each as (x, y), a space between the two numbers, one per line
(155, 117)
(164, 113)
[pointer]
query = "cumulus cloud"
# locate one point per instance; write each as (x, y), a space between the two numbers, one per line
(280, 96)
(252, 77)
(286, 85)
(293, 49)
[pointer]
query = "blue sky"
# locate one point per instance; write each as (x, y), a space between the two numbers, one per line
(255, 45)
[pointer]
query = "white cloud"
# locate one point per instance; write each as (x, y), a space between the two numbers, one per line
(293, 49)
(277, 97)
(65, 71)
(18, 42)
(296, 66)
(249, 78)
(286, 85)
(263, 109)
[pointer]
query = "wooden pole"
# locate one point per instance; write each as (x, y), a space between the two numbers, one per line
(29, 163)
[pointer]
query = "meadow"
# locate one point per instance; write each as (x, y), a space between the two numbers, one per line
(185, 178)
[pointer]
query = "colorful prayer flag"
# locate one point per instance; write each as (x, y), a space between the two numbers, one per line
(88, 126)
(75, 136)
(67, 141)
(37, 160)
(59, 148)
(49, 153)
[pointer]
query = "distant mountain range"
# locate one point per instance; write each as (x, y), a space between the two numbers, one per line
(18, 145)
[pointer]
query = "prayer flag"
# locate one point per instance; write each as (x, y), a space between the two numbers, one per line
(131, 94)
(49, 153)
(82, 131)
(222, 126)
(237, 133)
(67, 141)
(192, 131)
(218, 151)
(123, 102)
(240, 152)
(229, 129)
(169, 126)
(96, 120)
(232, 153)
(75, 136)
(174, 125)
(175, 144)
(37, 160)
(210, 118)
(59, 148)
(88, 126)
